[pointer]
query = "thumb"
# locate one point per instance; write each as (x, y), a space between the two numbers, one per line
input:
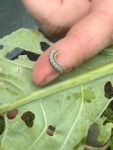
(84, 40)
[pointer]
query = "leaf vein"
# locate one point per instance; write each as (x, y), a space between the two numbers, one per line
(74, 124)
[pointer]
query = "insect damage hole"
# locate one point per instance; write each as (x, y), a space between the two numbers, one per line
(32, 56)
(28, 118)
(12, 114)
(1, 47)
(16, 52)
(108, 89)
(2, 124)
(50, 130)
(44, 46)
(111, 105)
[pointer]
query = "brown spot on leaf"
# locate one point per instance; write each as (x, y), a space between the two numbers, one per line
(12, 114)
(2, 124)
(108, 89)
(28, 117)
(50, 130)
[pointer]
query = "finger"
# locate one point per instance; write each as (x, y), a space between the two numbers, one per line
(56, 17)
(104, 5)
(41, 8)
(83, 41)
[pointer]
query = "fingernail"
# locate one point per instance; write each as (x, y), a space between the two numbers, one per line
(50, 78)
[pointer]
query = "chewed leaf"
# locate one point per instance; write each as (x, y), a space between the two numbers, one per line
(104, 130)
(108, 90)
(2, 124)
(50, 130)
(28, 117)
(55, 117)
(15, 78)
(27, 39)
(44, 46)
(12, 114)
(1, 47)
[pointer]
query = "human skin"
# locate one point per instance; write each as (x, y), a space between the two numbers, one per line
(86, 24)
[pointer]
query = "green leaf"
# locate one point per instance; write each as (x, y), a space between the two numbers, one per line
(111, 142)
(101, 132)
(26, 39)
(105, 133)
(69, 105)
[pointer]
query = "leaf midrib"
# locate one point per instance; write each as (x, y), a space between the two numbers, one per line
(74, 81)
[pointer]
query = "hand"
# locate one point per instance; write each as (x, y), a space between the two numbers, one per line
(86, 24)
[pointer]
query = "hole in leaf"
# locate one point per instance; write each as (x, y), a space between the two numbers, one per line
(50, 130)
(1, 46)
(92, 136)
(14, 54)
(44, 46)
(111, 105)
(2, 124)
(12, 114)
(32, 56)
(108, 113)
(108, 89)
(28, 117)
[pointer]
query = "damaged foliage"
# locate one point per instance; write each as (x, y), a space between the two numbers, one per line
(61, 112)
